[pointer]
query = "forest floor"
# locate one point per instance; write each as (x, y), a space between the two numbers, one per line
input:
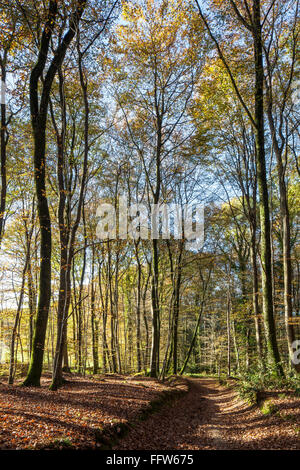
(209, 416)
(213, 417)
(77, 416)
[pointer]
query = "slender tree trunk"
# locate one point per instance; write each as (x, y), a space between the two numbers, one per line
(3, 145)
(268, 314)
(286, 240)
(112, 314)
(177, 308)
(94, 322)
(203, 300)
(228, 311)
(236, 347)
(31, 303)
(255, 302)
(154, 369)
(104, 305)
(147, 342)
(138, 312)
(192, 344)
(16, 326)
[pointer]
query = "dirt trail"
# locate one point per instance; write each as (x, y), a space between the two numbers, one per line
(211, 417)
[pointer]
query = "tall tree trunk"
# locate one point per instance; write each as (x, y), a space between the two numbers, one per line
(39, 112)
(147, 342)
(177, 308)
(94, 322)
(237, 354)
(64, 229)
(138, 310)
(31, 304)
(112, 313)
(3, 145)
(255, 303)
(36, 364)
(57, 370)
(104, 306)
(154, 368)
(228, 311)
(268, 314)
(286, 238)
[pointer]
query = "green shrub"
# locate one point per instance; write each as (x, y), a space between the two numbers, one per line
(269, 408)
(223, 381)
(193, 369)
(297, 430)
(297, 391)
(248, 393)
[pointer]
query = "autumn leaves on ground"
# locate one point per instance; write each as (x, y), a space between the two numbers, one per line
(138, 413)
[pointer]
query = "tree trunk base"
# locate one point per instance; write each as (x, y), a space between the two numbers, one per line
(31, 382)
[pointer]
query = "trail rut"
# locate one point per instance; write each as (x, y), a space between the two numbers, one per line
(210, 417)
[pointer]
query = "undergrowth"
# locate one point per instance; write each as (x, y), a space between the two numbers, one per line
(255, 382)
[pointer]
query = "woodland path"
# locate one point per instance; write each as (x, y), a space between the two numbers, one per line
(211, 417)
